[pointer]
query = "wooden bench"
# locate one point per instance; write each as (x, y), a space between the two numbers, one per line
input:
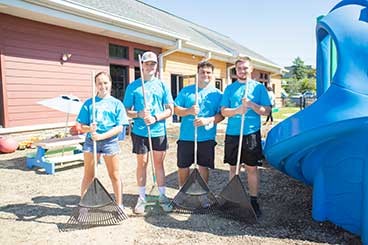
(53, 151)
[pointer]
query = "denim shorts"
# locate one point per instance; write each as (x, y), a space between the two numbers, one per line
(108, 146)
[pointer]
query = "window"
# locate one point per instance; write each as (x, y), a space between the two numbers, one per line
(137, 52)
(118, 52)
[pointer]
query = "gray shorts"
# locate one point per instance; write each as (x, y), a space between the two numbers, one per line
(141, 145)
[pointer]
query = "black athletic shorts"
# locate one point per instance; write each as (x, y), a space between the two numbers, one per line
(251, 149)
(205, 153)
(141, 145)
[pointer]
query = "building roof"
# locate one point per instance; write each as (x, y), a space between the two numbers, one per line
(134, 20)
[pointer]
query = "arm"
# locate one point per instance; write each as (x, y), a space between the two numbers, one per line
(230, 112)
(112, 132)
(202, 121)
(169, 109)
(259, 109)
(182, 111)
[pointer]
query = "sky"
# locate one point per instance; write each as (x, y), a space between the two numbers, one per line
(279, 30)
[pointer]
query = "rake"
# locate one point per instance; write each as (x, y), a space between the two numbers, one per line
(233, 199)
(195, 196)
(96, 207)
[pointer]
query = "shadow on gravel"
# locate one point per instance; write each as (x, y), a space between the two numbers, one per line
(285, 203)
(42, 207)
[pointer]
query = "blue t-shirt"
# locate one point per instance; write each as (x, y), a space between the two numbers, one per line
(232, 98)
(209, 99)
(110, 112)
(157, 96)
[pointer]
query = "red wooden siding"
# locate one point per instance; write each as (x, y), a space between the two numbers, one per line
(32, 69)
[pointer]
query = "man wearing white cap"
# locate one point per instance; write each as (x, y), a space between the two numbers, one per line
(160, 103)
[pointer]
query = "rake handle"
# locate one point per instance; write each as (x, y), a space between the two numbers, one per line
(241, 133)
(94, 119)
(195, 127)
(148, 126)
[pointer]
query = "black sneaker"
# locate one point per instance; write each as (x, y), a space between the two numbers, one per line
(256, 208)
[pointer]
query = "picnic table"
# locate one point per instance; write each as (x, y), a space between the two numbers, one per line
(57, 150)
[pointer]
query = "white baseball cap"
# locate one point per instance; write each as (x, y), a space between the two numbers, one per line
(149, 56)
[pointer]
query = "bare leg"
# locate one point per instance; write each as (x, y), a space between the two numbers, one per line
(253, 180)
(89, 172)
(183, 174)
(141, 169)
(232, 172)
(204, 173)
(158, 157)
(112, 165)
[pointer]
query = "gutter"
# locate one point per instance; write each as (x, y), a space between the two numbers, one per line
(178, 46)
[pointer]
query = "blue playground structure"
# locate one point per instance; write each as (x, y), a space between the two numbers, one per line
(326, 144)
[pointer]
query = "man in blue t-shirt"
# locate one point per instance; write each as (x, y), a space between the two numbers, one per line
(250, 97)
(159, 103)
(207, 112)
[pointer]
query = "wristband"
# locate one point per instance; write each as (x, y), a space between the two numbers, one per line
(155, 118)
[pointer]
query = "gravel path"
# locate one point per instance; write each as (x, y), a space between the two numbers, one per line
(33, 205)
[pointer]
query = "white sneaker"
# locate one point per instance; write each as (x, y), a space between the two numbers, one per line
(140, 206)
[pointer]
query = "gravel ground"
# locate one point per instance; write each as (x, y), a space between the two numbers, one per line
(34, 205)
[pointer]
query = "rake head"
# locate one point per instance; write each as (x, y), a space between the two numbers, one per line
(234, 202)
(195, 196)
(85, 218)
(96, 208)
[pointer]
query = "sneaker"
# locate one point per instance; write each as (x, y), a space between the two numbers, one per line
(256, 208)
(127, 211)
(140, 206)
(165, 203)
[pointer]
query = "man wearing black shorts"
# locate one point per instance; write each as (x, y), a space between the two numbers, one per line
(204, 115)
(159, 108)
(248, 97)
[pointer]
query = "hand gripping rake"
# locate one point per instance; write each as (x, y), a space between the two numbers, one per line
(195, 196)
(96, 207)
(233, 200)
(153, 194)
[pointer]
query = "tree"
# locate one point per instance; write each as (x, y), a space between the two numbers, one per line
(299, 70)
(300, 78)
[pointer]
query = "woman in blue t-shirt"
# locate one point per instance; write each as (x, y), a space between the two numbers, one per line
(110, 117)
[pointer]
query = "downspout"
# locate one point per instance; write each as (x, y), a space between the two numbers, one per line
(177, 47)
(208, 56)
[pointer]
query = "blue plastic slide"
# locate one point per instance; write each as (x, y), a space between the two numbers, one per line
(326, 144)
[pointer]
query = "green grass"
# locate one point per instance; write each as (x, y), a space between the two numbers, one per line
(284, 112)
